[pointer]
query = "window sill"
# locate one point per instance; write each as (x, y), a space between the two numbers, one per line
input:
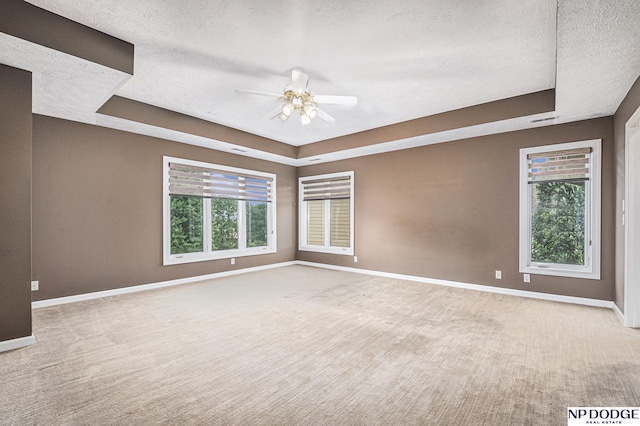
(561, 272)
(204, 257)
(346, 251)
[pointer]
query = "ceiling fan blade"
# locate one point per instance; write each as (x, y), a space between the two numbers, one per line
(324, 115)
(255, 92)
(335, 100)
(273, 113)
(299, 81)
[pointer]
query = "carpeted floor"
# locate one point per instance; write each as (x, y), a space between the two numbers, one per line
(301, 345)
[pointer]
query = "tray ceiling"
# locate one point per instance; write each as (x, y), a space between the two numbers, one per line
(403, 60)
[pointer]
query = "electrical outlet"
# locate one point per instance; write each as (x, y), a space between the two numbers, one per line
(355, 259)
(498, 275)
(233, 260)
(527, 278)
(35, 285)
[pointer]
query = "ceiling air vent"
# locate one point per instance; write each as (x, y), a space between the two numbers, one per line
(540, 120)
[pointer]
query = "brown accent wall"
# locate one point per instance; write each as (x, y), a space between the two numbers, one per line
(626, 109)
(140, 112)
(26, 21)
(450, 211)
(15, 203)
(503, 109)
(97, 208)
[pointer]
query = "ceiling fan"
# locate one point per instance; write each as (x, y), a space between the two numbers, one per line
(298, 98)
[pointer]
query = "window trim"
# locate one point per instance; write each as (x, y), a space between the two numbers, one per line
(592, 222)
(176, 259)
(302, 216)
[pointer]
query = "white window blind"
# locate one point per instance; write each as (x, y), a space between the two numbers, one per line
(567, 165)
(203, 182)
(315, 222)
(327, 189)
(340, 223)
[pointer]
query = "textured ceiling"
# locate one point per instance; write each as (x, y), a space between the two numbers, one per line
(403, 60)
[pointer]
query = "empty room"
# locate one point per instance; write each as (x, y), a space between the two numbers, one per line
(319, 213)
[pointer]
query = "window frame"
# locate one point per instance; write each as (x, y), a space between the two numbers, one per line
(302, 217)
(593, 195)
(207, 253)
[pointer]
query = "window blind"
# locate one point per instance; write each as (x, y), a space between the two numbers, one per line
(568, 165)
(327, 189)
(340, 223)
(315, 222)
(196, 181)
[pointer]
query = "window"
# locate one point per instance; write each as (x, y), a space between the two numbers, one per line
(326, 213)
(560, 210)
(216, 212)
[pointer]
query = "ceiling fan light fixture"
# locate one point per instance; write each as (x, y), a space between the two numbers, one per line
(310, 111)
(287, 109)
(298, 98)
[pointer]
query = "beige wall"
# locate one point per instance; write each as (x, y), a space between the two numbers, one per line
(447, 211)
(97, 209)
(15, 203)
(628, 106)
(450, 211)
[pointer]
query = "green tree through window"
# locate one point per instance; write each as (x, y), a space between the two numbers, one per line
(558, 223)
(186, 225)
(224, 224)
(256, 224)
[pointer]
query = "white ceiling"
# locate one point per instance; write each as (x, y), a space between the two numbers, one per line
(403, 60)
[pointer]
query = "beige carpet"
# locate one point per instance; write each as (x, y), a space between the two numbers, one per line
(301, 345)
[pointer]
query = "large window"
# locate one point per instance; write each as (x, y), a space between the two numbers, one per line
(560, 210)
(216, 212)
(326, 213)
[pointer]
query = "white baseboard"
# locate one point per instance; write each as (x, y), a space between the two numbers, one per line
(152, 286)
(21, 342)
(618, 312)
(476, 287)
